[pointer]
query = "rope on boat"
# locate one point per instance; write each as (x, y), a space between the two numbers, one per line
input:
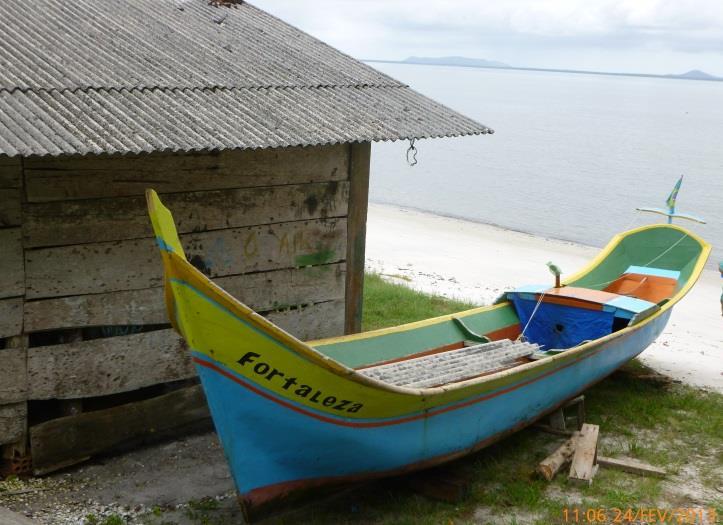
(666, 251)
(676, 243)
(521, 337)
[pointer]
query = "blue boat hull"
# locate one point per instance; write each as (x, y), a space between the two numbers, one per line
(274, 450)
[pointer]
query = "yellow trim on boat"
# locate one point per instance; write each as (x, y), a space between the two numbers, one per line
(610, 246)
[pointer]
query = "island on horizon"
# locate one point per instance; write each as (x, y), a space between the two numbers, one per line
(459, 61)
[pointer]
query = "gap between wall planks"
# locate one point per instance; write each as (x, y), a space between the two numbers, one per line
(62, 223)
(62, 442)
(112, 365)
(74, 177)
(263, 292)
(360, 156)
(134, 264)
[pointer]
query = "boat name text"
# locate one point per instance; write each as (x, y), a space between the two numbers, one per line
(307, 392)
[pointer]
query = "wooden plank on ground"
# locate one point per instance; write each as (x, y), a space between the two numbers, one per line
(9, 207)
(631, 465)
(550, 466)
(106, 366)
(77, 222)
(65, 440)
(68, 178)
(8, 517)
(356, 234)
(135, 264)
(13, 375)
(12, 274)
(11, 317)
(583, 466)
(262, 291)
(13, 422)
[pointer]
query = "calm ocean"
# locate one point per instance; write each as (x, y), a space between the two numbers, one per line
(572, 156)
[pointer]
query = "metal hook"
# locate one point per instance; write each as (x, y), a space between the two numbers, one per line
(413, 152)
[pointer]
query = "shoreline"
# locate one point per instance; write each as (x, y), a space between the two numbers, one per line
(476, 262)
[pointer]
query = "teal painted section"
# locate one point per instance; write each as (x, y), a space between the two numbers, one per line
(630, 304)
(658, 272)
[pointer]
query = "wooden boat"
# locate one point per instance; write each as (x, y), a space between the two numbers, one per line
(294, 415)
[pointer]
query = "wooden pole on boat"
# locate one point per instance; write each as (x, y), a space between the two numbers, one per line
(556, 271)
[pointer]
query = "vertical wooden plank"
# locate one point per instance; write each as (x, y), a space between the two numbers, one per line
(12, 269)
(360, 154)
(583, 466)
(13, 422)
(11, 317)
(13, 372)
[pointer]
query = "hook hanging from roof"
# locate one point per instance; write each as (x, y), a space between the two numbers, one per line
(412, 153)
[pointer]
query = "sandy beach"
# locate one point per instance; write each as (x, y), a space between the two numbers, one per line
(477, 262)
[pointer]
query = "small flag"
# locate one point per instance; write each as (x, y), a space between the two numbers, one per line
(674, 195)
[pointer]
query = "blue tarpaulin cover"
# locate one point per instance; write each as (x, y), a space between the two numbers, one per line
(560, 326)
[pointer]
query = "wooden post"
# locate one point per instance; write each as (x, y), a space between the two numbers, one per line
(584, 459)
(360, 154)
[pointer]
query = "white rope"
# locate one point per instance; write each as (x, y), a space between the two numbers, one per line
(666, 251)
(676, 243)
(534, 311)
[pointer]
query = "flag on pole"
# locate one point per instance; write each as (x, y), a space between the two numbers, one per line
(674, 195)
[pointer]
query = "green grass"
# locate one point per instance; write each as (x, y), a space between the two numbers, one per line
(387, 304)
(671, 426)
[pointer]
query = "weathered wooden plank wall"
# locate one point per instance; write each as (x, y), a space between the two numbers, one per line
(69, 178)
(264, 291)
(269, 226)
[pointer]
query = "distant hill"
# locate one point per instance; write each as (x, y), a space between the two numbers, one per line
(693, 74)
(455, 61)
(696, 74)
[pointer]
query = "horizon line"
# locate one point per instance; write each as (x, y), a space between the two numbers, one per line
(553, 70)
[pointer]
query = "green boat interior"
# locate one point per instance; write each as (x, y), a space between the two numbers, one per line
(640, 271)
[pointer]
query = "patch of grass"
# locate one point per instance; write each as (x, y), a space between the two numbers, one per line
(389, 304)
(202, 511)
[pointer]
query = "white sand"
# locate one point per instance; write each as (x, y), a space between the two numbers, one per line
(477, 262)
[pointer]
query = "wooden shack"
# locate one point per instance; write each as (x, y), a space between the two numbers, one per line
(257, 136)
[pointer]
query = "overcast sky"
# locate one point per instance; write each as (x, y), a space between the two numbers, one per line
(647, 36)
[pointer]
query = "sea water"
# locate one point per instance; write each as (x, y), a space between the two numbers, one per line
(572, 156)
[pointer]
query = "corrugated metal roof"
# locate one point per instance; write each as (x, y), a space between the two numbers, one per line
(101, 76)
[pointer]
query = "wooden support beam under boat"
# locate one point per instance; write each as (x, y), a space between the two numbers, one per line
(356, 234)
(584, 460)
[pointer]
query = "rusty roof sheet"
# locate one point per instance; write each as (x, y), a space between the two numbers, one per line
(101, 76)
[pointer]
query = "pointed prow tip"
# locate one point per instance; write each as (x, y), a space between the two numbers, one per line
(163, 226)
